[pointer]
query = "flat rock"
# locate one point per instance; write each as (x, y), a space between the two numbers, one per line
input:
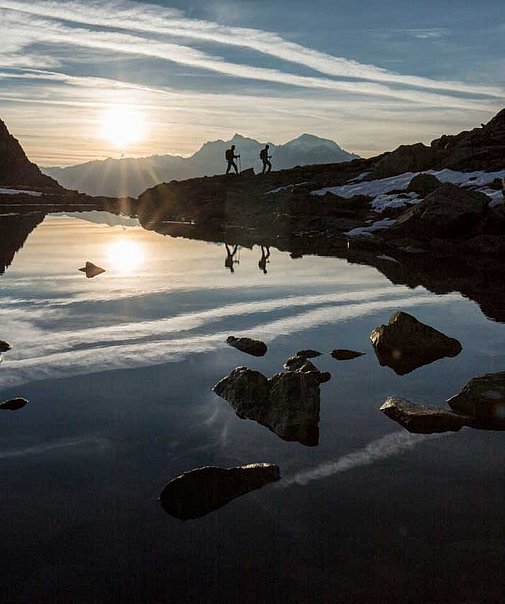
(341, 354)
(308, 354)
(14, 404)
(4, 346)
(288, 403)
(256, 348)
(422, 419)
(405, 344)
(92, 270)
(483, 398)
(198, 492)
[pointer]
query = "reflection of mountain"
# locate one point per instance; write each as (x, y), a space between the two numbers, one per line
(14, 231)
(106, 218)
(129, 176)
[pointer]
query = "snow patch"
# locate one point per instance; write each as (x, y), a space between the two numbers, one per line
(17, 191)
(382, 202)
(369, 230)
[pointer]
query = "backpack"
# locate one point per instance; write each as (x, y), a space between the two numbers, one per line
(263, 154)
(229, 155)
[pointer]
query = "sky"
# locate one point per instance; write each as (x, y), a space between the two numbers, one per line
(96, 79)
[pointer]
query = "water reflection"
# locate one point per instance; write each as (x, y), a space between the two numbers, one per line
(125, 255)
(265, 255)
(230, 257)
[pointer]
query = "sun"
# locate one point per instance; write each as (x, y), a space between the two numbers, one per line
(123, 126)
(126, 256)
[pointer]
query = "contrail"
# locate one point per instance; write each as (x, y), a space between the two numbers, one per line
(382, 448)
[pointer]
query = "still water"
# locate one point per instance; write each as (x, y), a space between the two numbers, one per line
(119, 370)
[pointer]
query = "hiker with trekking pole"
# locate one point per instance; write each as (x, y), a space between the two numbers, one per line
(230, 158)
(265, 158)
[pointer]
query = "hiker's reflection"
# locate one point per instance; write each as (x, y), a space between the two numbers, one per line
(230, 257)
(262, 264)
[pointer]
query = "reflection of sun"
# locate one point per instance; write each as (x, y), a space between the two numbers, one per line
(123, 126)
(126, 255)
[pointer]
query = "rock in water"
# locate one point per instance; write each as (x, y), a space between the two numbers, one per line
(198, 492)
(405, 344)
(308, 354)
(4, 346)
(256, 348)
(287, 403)
(423, 419)
(295, 362)
(483, 398)
(341, 354)
(92, 270)
(14, 404)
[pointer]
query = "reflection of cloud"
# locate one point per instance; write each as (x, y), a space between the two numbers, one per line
(96, 444)
(153, 342)
(382, 448)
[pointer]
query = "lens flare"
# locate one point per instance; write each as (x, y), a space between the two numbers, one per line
(126, 256)
(123, 126)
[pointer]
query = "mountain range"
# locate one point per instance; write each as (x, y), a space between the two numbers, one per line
(132, 176)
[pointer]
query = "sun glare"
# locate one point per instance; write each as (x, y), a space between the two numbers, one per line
(126, 256)
(123, 126)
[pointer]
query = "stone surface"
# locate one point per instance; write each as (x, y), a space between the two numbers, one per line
(341, 354)
(405, 343)
(91, 270)
(4, 346)
(424, 184)
(308, 353)
(482, 397)
(450, 212)
(295, 362)
(256, 348)
(287, 403)
(203, 490)
(14, 404)
(422, 419)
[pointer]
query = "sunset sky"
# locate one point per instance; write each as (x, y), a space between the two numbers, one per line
(88, 80)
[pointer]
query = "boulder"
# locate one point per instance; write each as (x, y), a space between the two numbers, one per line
(4, 346)
(303, 365)
(287, 403)
(14, 404)
(483, 398)
(295, 362)
(256, 348)
(341, 354)
(450, 212)
(308, 353)
(424, 184)
(91, 270)
(405, 344)
(406, 158)
(422, 419)
(198, 492)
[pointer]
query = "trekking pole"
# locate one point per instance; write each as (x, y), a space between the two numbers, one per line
(239, 164)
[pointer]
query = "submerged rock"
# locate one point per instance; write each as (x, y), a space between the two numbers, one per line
(198, 492)
(423, 419)
(256, 348)
(4, 346)
(287, 403)
(91, 270)
(405, 344)
(14, 404)
(483, 398)
(341, 354)
(308, 353)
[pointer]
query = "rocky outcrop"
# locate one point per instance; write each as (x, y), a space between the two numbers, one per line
(198, 492)
(447, 213)
(287, 403)
(423, 184)
(405, 344)
(341, 354)
(256, 348)
(4, 346)
(483, 398)
(406, 158)
(14, 404)
(91, 270)
(422, 419)
(15, 168)
(301, 364)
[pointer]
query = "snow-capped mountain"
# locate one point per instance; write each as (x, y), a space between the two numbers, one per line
(130, 176)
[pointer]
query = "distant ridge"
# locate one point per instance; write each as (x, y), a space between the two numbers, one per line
(130, 176)
(15, 168)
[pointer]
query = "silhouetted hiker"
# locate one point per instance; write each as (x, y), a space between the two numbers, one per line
(265, 158)
(230, 158)
(230, 255)
(262, 264)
